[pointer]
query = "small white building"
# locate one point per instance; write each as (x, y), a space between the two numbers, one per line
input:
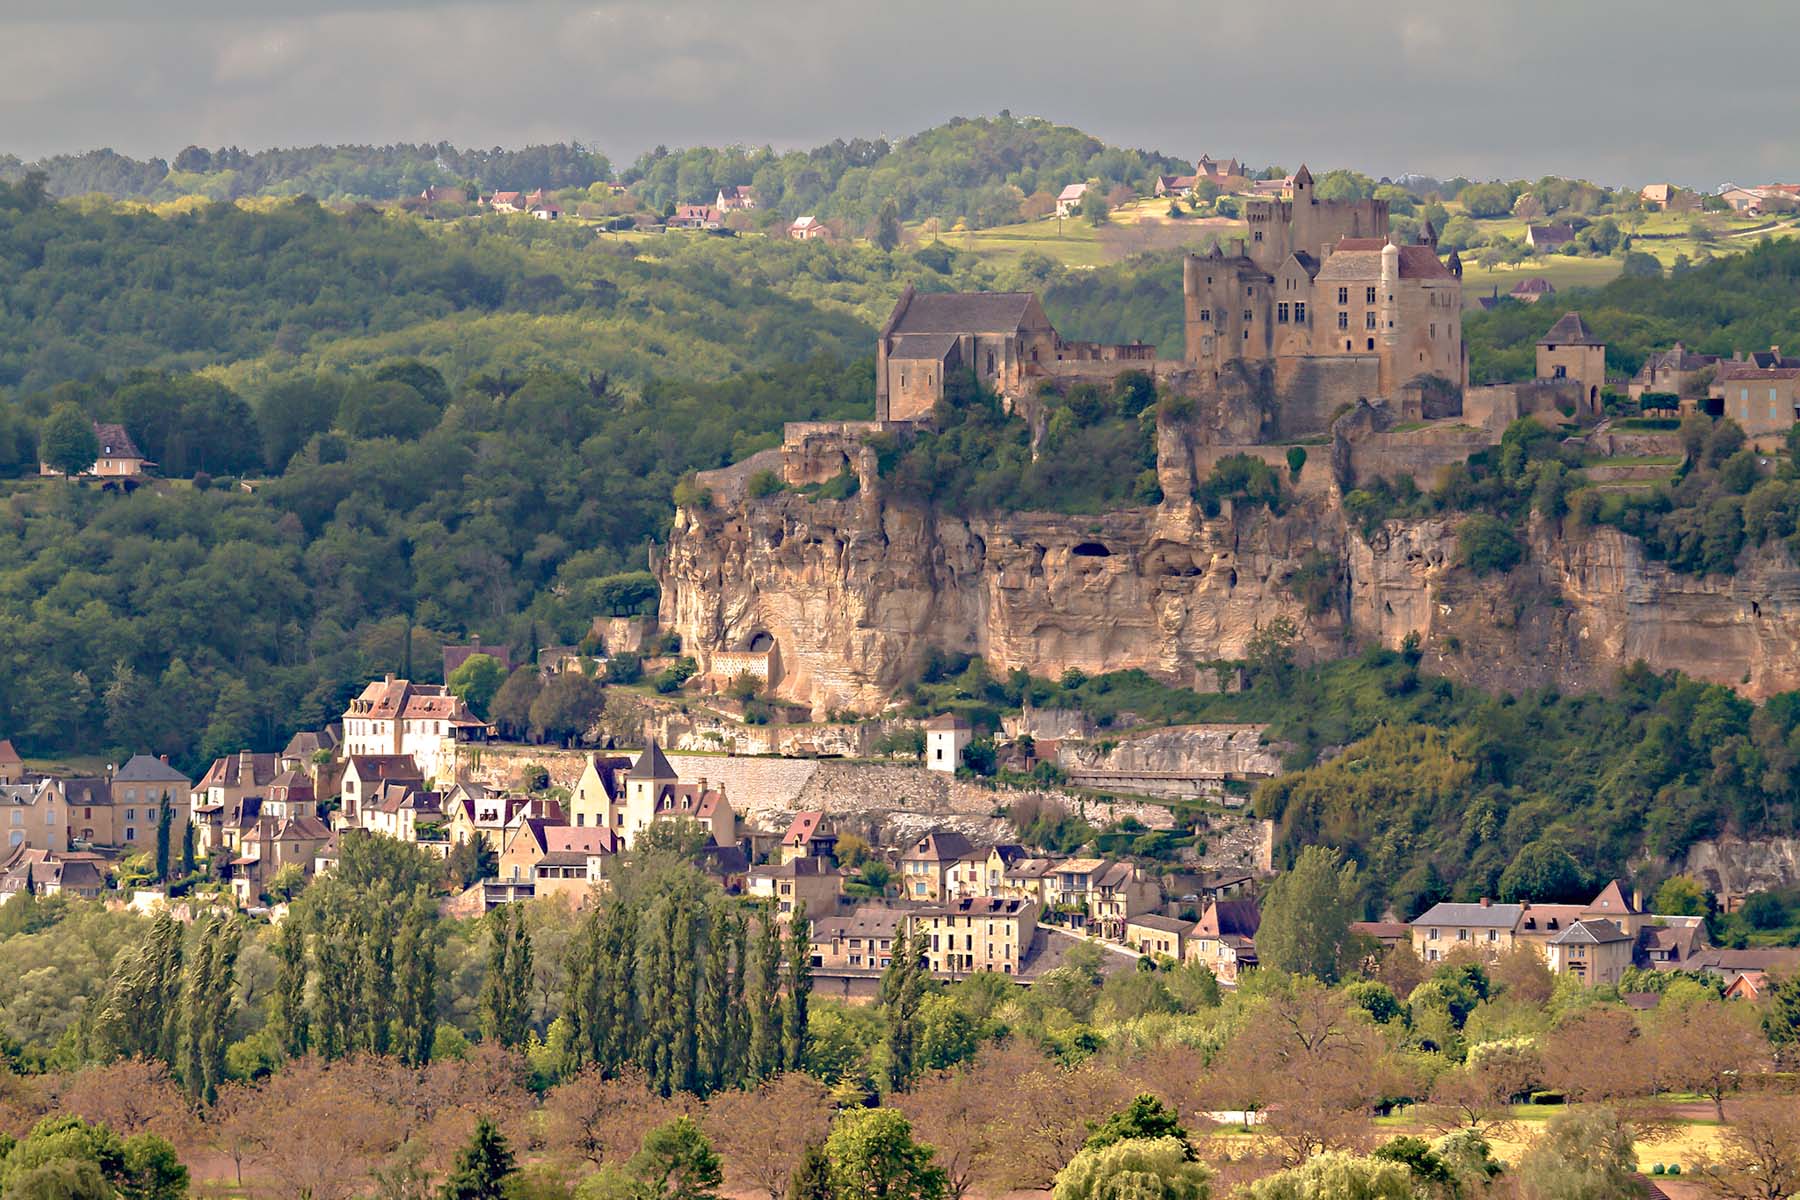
(945, 738)
(1069, 199)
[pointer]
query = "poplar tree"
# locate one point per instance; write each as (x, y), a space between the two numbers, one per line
(187, 849)
(208, 1000)
(506, 992)
(715, 1048)
(375, 957)
(658, 970)
(415, 952)
(799, 987)
(902, 986)
(289, 1017)
(139, 1015)
(765, 1004)
(333, 955)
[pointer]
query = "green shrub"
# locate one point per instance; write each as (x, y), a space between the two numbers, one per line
(1487, 545)
(764, 483)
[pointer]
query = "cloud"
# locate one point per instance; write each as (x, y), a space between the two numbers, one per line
(1615, 89)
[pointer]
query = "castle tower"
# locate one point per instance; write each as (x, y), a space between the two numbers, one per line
(1390, 283)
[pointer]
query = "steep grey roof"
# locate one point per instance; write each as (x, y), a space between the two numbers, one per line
(1570, 330)
(1165, 924)
(1590, 933)
(146, 768)
(965, 312)
(933, 347)
(652, 764)
(1484, 916)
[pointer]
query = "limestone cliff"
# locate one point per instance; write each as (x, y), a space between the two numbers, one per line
(855, 592)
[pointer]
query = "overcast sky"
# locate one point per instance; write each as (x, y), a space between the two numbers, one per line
(1616, 90)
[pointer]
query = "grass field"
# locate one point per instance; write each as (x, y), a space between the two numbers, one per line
(1074, 242)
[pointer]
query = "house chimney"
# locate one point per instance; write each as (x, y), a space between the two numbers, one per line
(1524, 906)
(164, 758)
(1486, 903)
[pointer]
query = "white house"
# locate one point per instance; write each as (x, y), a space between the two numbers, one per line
(945, 738)
(1069, 199)
(425, 721)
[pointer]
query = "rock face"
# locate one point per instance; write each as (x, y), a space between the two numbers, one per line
(857, 592)
(1736, 867)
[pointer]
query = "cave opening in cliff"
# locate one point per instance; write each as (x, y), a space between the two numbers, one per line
(1091, 550)
(760, 642)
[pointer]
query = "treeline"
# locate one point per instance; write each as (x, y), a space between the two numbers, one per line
(1743, 302)
(324, 172)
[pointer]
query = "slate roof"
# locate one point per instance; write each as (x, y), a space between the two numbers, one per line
(652, 764)
(1360, 259)
(229, 771)
(1164, 924)
(965, 312)
(385, 766)
(147, 768)
(115, 442)
(946, 722)
(1475, 916)
(870, 922)
(939, 846)
(1551, 235)
(925, 347)
(1229, 918)
(308, 742)
(1590, 933)
(1570, 330)
(1537, 285)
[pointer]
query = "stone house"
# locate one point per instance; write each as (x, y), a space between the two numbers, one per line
(135, 793)
(975, 934)
(12, 767)
(1672, 371)
(982, 871)
(364, 774)
(926, 865)
(1174, 185)
(493, 817)
(36, 815)
(426, 721)
(1068, 201)
(1530, 291)
(1224, 938)
(1159, 936)
(1765, 400)
(119, 457)
(599, 794)
(1068, 888)
(862, 940)
(232, 778)
(1030, 879)
(811, 835)
(945, 738)
(1549, 237)
(267, 845)
(1571, 351)
(291, 795)
(740, 198)
(1118, 892)
(1489, 927)
(1595, 953)
(400, 809)
(809, 228)
(994, 334)
(507, 202)
(537, 836)
(814, 882)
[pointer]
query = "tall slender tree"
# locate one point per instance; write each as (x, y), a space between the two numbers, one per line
(799, 988)
(415, 956)
(288, 1017)
(715, 1050)
(165, 825)
(187, 849)
(506, 992)
(902, 987)
(766, 1045)
(208, 1000)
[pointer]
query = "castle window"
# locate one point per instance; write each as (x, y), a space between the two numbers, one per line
(1371, 292)
(1343, 295)
(1249, 316)
(1299, 312)
(1206, 315)
(1434, 331)
(1259, 235)
(1371, 343)
(1281, 313)
(1368, 320)
(1344, 322)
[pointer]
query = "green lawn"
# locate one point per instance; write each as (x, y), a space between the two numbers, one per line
(1563, 272)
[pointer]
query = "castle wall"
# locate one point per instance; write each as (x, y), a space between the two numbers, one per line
(1315, 476)
(1425, 454)
(1311, 391)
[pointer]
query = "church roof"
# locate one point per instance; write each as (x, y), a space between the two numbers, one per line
(1570, 330)
(930, 347)
(965, 312)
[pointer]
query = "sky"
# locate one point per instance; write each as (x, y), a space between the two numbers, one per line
(1618, 91)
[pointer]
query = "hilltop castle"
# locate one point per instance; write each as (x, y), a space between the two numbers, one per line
(1324, 295)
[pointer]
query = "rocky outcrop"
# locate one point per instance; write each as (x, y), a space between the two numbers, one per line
(1216, 751)
(1735, 866)
(857, 592)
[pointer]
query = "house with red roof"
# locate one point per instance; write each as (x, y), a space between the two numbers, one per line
(425, 721)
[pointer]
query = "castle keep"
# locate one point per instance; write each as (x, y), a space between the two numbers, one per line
(1320, 294)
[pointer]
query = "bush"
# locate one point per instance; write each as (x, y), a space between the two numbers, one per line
(764, 483)
(1487, 545)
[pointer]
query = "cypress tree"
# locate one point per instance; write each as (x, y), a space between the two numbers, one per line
(165, 824)
(187, 849)
(799, 987)
(289, 1015)
(415, 952)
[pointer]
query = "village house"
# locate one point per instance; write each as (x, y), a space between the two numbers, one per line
(1764, 400)
(1175, 185)
(400, 809)
(536, 837)
(1219, 172)
(1068, 201)
(1030, 879)
(926, 865)
(1549, 237)
(1224, 938)
(982, 871)
(599, 794)
(807, 229)
(119, 457)
(862, 940)
(739, 198)
(135, 793)
(232, 778)
(507, 202)
(12, 767)
(1117, 892)
(493, 817)
(696, 216)
(1069, 887)
(1673, 371)
(1733, 965)
(291, 796)
(727, 866)
(35, 815)
(306, 748)
(42, 872)
(1159, 936)
(267, 845)
(654, 791)
(810, 835)
(946, 737)
(975, 934)
(366, 772)
(1571, 351)
(1530, 291)
(1595, 953)
(813, 882)
(425, 721)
